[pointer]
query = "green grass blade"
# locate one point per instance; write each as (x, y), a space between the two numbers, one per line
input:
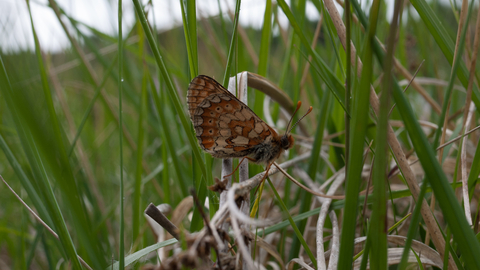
(179, 108)
(377, 231)
(317, 143)
(132, 258)
(25, 181)
(359, 122)
(231, 49)
(474, 171)
(292, 223)
(169, 140)
(120, 144)
(90, 106)
(190, 28)
(325, 73)
(453, 75)
(137, 211)
(412, 230)
(265, 41)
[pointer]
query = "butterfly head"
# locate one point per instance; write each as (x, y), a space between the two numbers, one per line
(286, 142)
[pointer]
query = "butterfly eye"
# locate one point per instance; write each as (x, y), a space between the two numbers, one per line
(285, 142)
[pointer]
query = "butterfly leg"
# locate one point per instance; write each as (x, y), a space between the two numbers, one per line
(236, 168)
(264, 177)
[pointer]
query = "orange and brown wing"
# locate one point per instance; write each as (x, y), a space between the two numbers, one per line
(225, 127)
(201, 87)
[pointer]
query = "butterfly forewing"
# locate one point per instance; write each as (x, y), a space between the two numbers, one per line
(225, 127)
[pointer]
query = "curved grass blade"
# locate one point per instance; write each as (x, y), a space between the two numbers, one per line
(179, 108)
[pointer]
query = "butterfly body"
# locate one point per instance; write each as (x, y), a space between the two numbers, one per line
(227, 128)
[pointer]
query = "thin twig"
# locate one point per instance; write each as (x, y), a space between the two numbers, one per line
(408, 85)
(41, 221)
(339, 197)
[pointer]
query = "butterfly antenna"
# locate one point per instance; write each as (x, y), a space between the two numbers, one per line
(299, 103)
(298, 106)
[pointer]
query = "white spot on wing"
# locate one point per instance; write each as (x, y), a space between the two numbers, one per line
(225, 97)
(225, 132)
(239, 130)
(252, 134)
(197, 120)
(247, 114)
(240, 140)
(258, 127)
(222, 124)
(225, 118)
(205, 104)
(240, 116)
(198, 130)
(221, 143)
(215, 99)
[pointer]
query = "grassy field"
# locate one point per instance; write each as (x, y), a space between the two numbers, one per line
(91, 136)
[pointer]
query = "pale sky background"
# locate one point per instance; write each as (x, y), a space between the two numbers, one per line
(15, 29)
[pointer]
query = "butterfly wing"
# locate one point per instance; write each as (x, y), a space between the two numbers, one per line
(201, 87)
(225, 127)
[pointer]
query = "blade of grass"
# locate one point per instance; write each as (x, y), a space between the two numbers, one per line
(263, 55)
(292, 223)
(24, 179)
(90, 106)
(137, 213)
(190, 28)
(298, 11)
(231, 49)
(377, 231)
(31, 254)
(412, 230)
(170, 87)
(120, 144)
(359, 126)
(132, 258)
(453, 75)
(324, 72)
(317, 143)
(169, 140)
(474, 171)
(348, 77)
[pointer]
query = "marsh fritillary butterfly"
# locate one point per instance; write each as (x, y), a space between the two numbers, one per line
(227, 128)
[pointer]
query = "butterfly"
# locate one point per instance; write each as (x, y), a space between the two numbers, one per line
(227, 128)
